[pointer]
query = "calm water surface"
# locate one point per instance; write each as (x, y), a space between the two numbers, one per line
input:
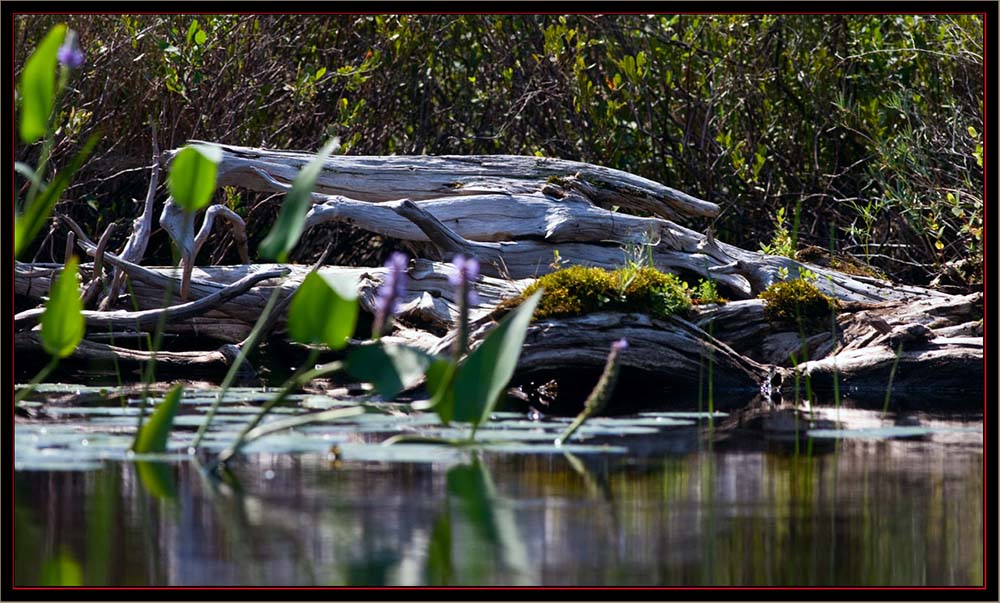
(679, 508)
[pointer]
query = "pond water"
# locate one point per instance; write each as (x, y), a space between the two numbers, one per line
(656, 499)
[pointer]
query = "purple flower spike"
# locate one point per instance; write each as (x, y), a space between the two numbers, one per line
(467, 271)
(620, 345)
(392, 288)
(69, 53)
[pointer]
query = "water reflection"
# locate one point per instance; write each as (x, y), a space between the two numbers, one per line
(859, 513)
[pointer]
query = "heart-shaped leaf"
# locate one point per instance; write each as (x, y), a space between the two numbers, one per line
(390, 368)
(324, 310)
(192, 175)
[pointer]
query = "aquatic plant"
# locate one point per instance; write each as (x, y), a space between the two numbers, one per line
(389, 293)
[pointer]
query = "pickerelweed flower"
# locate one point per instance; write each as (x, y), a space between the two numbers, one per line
(467, 271)
(393, 287)
(69, 53)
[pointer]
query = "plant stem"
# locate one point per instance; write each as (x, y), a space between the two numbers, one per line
(892, 375)
(42, 374)
(276, 426)
(294, 382)
(251, 342)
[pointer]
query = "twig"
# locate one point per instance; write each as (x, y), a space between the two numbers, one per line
(147, 318)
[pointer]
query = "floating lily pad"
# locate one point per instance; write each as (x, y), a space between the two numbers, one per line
(685, 415)
(324, 402)
(286, 443)
(92, 410)
(401, 453)
(893, 431)
(521, 448)
(37, 463)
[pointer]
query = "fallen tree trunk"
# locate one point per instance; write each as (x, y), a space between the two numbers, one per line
(384, 178)
(516, 213)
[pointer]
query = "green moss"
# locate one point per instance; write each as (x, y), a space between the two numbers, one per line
(798, 303)
(579, 290)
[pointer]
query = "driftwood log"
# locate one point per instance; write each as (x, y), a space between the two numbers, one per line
(517, 215)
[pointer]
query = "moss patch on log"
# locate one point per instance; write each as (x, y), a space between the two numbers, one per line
(798, 303)
(581, 290)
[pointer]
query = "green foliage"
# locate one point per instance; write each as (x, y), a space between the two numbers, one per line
(61, 570)
(37, 86)
(153, 436)
(324, 310)
(292, 218)
(390, 368)
(37, 211)
(869, 121)
(581, 290)
(62, 321)
(706, 292)
(469, 391)
(156, 478)
(192, 176)
(798, 303)
(781, 243)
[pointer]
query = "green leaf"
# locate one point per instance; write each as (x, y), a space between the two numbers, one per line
(192, 175)
(37, 86)
(36, 214)
(153, 435)
(973, 133)
(157, 478)
(439, 567)
(390, 368)
(288, 227)
(492, 521)
(200, 37)
(324, 310)
(26, 170)
(61, 570)
(62, 321)
(487, 370)
(440, 376)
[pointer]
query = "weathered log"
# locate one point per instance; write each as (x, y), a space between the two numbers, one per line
(385, 178)
(89, 350)
(147, 318)
(429, 301)
(662, 356)
(517, 212)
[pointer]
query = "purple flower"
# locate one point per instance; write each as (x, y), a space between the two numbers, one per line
(467, 271)
(69, 53)
(620, 345)
(392, 288)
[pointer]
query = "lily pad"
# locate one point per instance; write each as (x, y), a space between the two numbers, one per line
(401, 453)
(887, 432)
